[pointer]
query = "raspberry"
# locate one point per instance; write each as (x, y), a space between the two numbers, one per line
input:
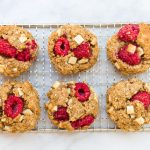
(143, 97)
(61, 114)
(83, 50)
(31, 45)
(129, 33)
(86, 121)
(24, 55)
(6, 49)
(127, 57)
(13, 106)
(62, 46)
(82, 91)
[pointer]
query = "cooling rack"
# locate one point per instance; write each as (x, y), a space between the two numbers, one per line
(42, 75)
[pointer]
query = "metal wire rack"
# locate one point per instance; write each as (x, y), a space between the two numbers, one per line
(42, 75)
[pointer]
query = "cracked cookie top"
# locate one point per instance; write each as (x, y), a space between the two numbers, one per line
(19, 106)
(72, 49)
(128, 49)
(72, 105)
(128, 104)
(18, 50)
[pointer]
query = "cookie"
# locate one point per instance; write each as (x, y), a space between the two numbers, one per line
(19, 106)
(128, 104)
(72, 105)
(72, 49)
(128, 49)
(18, 50)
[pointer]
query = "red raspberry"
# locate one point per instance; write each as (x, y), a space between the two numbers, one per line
(82, 91)
(62, 46)
(13, 106)
(24, 55)
(61, 114)
(83, 50)
(143, 97)
(127, 57)
(86, 121)
(31, 45)
(6, 49)
(129, 33)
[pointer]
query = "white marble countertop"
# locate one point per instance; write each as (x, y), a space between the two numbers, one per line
(77, 11)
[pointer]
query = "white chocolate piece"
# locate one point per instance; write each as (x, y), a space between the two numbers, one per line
(27, 112)
(14, 69)
(130, 109)
(94, 40)
(3, 119)
(55, 108)
(20, 92)
(56, 84)
(140, 120)
(72, 60)
(7, 128)
(22, 38)
(131, 48)
(79, 39)
(69, 90)
(140, 51)
(83, 61)
(21, 118)
(147, 87)
(117, 65)
(1, 68)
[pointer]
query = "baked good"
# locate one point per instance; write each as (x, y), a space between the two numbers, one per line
(72, 105)
(128, 49)
(128, 104)
(19, 106)
(18, 50)
(72, 49)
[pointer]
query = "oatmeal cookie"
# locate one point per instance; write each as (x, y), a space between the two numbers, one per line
(128, 50)
(72, 105)
(19, 106)
(18, 50)
(128, 104)
(72, 49)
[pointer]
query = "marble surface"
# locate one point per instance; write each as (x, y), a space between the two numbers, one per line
(77, 11)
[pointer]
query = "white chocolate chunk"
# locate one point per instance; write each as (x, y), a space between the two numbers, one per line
(132, 116)
(79, 39)
(55, 108)
(15, 69)
(130, 109)
(20, 92)
(27, 112)
(59, 32)
(72, 60)
(7, 128)
(94, 40)
(131, 48)
(56, 84)
(140, 120)
(68, 90)
(1, 68)
(83, 61)
(70, 101)
(21, 118)
(22, 38)
(117, 65)
(110, 109)
(147, 87)
(3, 119)
(140, 51)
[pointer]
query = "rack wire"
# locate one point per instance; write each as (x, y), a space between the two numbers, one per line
(42, 75)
